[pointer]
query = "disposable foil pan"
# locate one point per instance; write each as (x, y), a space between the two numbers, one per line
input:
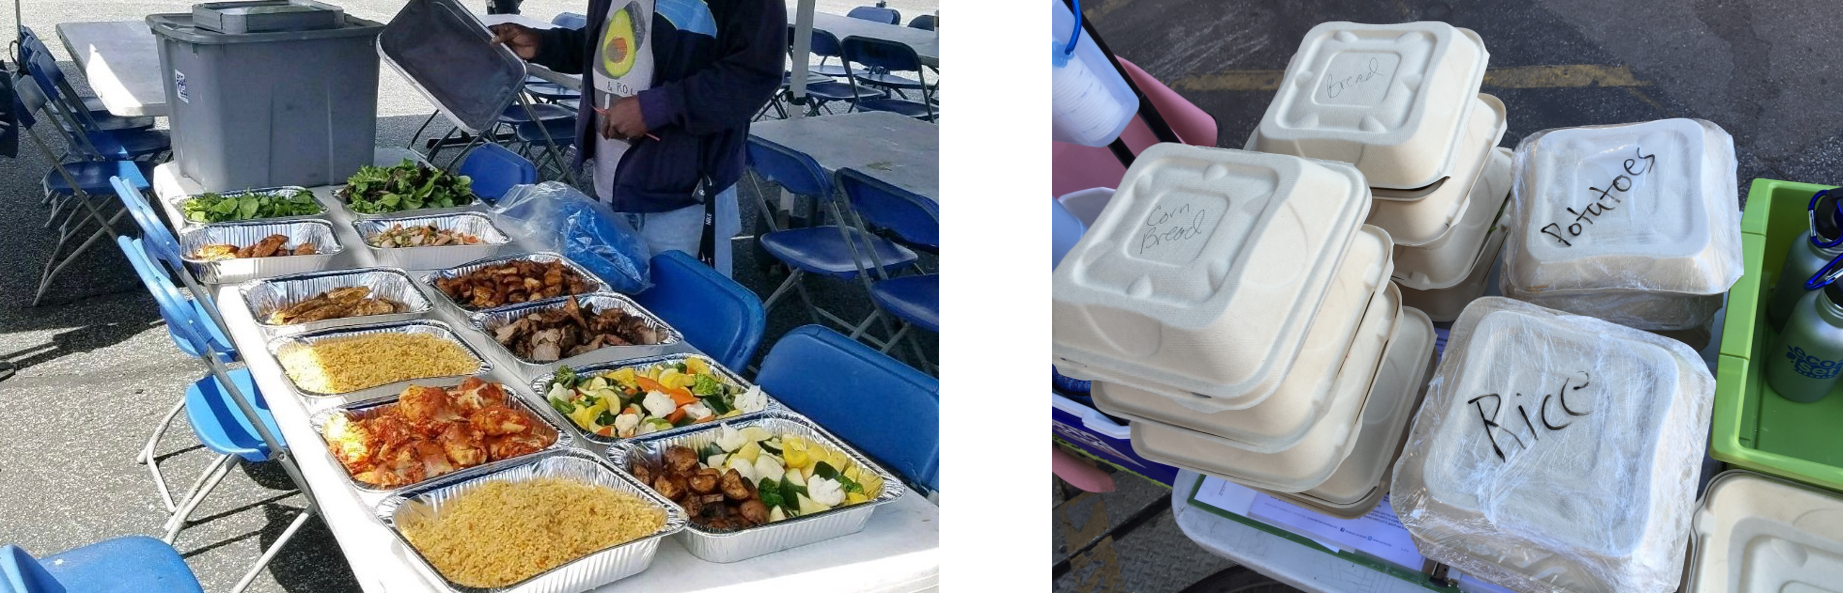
(179, 205)
(434, 328)
(433, 257)
(742, 544)
(541, 387)
(489, 322)
(591, 571)
(372, 408)
(265, 297)
(595, 282)
(226, 271)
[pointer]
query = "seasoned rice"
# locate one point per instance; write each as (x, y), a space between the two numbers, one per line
(499, 533)
(344, 365)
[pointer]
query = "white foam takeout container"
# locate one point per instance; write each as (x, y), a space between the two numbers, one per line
(1445, 304)
(1389, 98)
(1594, 491)
(1446, 261)
(1421, 217)
(1204, 271)
(1311, 462)
(1359, 483)
(1757, 534)
(1674, 228)
(1304, 397)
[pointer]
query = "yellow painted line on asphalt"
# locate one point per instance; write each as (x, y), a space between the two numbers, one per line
(1517, 77)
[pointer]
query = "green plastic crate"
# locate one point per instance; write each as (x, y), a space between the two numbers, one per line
(1753, 426)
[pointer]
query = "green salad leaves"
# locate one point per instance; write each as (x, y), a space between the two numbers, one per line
(407, 186)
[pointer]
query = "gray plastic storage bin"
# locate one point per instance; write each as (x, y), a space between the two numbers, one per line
(269, 109)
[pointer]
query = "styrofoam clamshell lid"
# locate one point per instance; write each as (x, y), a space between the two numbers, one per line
(1308, 464)
(1446, 261)
(1389, 98)
(1434, 216)
(1649, 206)
(1556, 452)
(1204, 271)
(1756, 534)
(1305, 396)
(1445, 304)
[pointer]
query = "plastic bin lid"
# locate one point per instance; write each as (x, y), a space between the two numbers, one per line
(1651, 206)
(1757, 534)
(1432, 216)
(1556, 452)
(1389, 98)
(181, 27)
(1165, 287)
(1304, 397)
(1308, 464)
(446, 53)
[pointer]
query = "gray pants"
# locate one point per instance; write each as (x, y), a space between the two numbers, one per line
(682, 229)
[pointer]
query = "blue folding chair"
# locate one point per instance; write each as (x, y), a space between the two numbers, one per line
(494, 169)
(825, 376)
(838, 250)
(887, 16)
(924, 22)
(33, 51)
(73, 184)
(871, 61)
(570, 20)
(913, 220)
(219, 422)
(550, 92)
(715, 314)
(131, 564)
(86, 138)
(821, 88)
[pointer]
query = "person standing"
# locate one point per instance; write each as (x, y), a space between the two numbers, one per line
(671, 86)
(503, 6)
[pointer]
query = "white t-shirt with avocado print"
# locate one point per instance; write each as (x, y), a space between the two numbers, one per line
(623, 67)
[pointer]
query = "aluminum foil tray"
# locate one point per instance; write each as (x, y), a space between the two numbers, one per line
(541, 387)
(180, 203)
(435, 328)
(742, 544)
(433, 257)
(227, 271)
(591, 571)
(372, 408)
(595, 282)
(265, 297)
(489, 322)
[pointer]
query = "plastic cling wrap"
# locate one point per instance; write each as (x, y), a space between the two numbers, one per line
(1556, 452)
(557, 217)
(1628, 223)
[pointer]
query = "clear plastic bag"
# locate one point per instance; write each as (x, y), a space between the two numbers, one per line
(1631, 223)
(560, 218)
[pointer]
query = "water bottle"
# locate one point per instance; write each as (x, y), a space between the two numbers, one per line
(1805, 360)
(1823, 243)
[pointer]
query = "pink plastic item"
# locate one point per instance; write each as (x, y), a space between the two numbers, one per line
(1078, 473)
(1075, 167)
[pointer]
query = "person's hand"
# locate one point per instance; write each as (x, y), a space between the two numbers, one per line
(623, 120)
(521, 39)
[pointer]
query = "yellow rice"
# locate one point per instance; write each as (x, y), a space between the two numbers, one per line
(344, 365)
(500, 533)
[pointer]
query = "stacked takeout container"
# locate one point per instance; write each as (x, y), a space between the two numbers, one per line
(1235, 308)
(1637, 224)
(1401, 103)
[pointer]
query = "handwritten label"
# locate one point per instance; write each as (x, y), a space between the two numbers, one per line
(1552, 413)
(1177, 227)
(1625, 178)
(1358, 78)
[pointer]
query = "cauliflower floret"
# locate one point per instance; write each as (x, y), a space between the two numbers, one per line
(752, 400)
(659, 404)
(824, 491)
(698, 411)
(624, 424)
(730, 439)
(559, 392)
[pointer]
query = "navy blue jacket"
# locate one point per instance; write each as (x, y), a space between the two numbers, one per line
(705, 90)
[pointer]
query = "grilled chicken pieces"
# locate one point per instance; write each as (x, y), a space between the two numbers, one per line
(270, 246)
(547, 336)
(351, 301)
(515, 281)
(433, 431)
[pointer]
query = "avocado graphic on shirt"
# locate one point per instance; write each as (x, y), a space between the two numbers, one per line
(622, 39)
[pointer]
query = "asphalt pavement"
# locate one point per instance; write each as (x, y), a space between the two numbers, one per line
(97, 368)
(1767, 71)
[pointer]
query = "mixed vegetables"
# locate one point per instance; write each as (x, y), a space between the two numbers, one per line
(750, 476)
(630, 401)
(407, 186)
(213, 207)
